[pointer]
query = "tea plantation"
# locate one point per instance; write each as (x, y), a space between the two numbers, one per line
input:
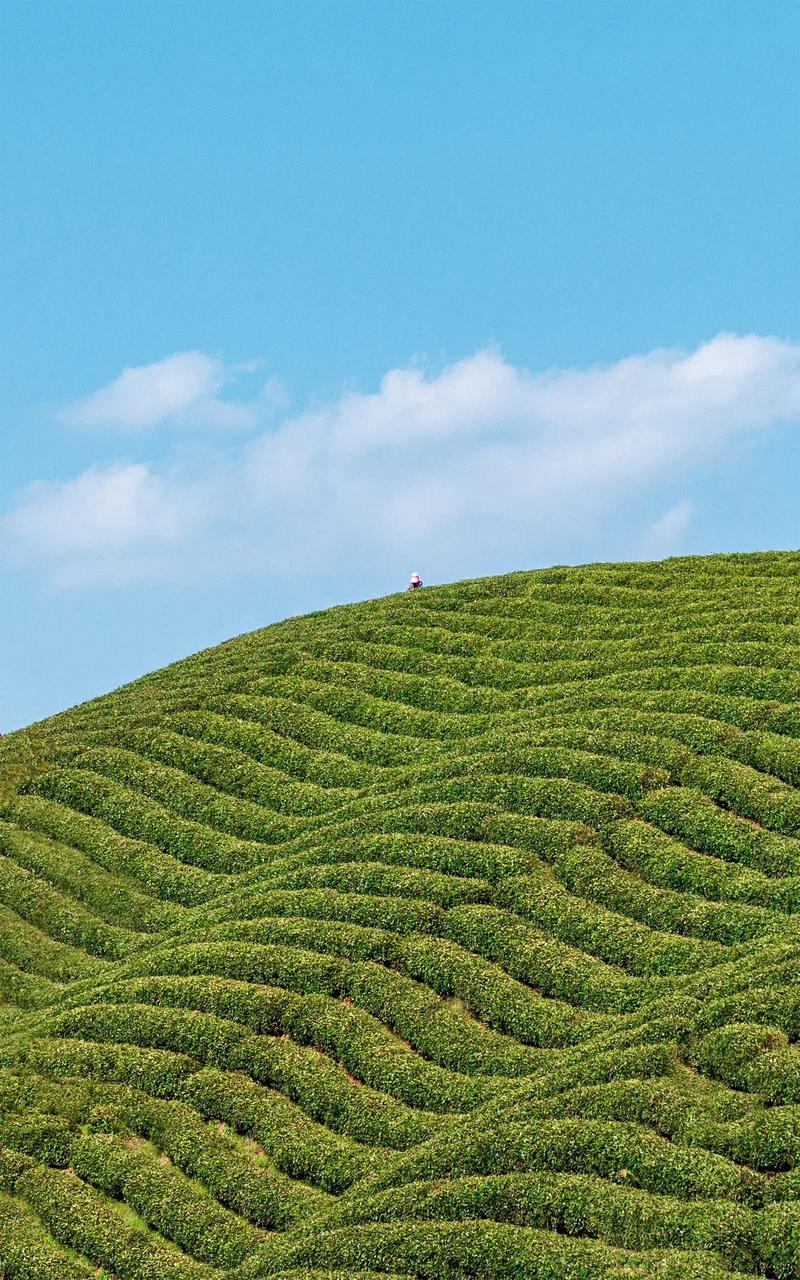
(454, 934)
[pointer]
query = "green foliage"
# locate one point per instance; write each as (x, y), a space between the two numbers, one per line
(447, 936)
(22, 759)
(29, 1252)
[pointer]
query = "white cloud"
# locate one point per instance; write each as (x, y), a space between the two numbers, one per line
(183, 389)
(487, 454)
(482, 460)
(665, 534)
(114, 523)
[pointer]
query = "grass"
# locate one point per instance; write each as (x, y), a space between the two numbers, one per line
(450, 935)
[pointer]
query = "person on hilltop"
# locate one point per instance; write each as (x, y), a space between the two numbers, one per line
(415, 583)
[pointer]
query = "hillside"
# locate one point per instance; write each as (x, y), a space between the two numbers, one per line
(449, 935)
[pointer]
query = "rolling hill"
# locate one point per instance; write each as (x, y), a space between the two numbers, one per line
(449, 935)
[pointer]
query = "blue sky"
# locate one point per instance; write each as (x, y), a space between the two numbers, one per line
(457, 287)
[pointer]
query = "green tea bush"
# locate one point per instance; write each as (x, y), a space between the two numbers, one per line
(155, 1070)
(165, 1199)
(29, 1252)
(465, 1249)
(295, 1144)
(450, 935)
(572, 1204)
(140, 818)
(313, 726)
(155, 871)
(373, 878)
(659, 859)
(79, 1217)
(253, 742)
(236, 773)
(730, 1052)
(552, 967)
(114, 898)
(602, 1148)
(755, 795)
(592, 874)
(611, 936)
(382, 714)
(57, 914)
(695, 818)
(239, 1179)
(778, 1240)
(31, 949)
